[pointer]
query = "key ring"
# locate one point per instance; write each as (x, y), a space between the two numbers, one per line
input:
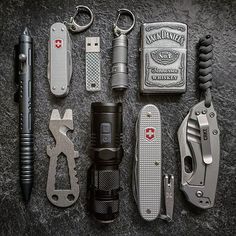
(118, 31)
(73, 26)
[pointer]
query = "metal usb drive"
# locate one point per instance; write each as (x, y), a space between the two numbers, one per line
(93, 68)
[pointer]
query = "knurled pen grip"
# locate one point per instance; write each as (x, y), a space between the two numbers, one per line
(26, 159)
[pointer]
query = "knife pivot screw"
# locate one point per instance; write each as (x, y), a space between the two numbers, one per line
(212, 114)
(204, 111)
(199, 193)
(149, 114)
(197, 113)
(215, 132)
(148, 211)
(53, 29)
(62, 29)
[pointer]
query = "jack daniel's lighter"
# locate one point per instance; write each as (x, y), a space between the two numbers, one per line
(163, 57)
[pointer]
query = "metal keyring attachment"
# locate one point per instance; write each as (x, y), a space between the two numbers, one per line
(118, 31)
(73, 26)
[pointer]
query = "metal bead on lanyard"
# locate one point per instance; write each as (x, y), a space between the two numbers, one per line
(205, 68)
(119, 79)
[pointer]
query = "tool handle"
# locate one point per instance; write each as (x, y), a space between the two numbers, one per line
(26, 158)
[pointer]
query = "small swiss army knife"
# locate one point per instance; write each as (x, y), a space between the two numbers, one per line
(198, 138)
(59, 60)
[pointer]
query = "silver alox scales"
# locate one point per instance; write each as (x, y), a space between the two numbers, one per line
(147, 168)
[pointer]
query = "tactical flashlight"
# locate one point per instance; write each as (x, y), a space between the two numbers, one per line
(106, 153)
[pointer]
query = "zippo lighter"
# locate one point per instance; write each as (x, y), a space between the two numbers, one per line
(163, 57)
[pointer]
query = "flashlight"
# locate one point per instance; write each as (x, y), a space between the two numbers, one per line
(119, 77)
(106, 153)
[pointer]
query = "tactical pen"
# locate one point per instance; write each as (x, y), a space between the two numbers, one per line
(23, 77)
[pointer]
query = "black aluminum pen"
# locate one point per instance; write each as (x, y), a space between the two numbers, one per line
(24, 76)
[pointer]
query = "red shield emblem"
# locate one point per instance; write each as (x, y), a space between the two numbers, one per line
(58, 43)
(150, 133)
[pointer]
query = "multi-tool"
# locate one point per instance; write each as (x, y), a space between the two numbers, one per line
(198, 138)
(59, 128)
(147, 169)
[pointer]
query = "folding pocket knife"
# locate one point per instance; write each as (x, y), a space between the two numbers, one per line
(199, 144)
(199, 139)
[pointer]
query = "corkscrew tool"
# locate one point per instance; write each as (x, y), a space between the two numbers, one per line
(59, 128)
(198, 138)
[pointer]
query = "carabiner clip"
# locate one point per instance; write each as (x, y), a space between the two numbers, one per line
(73, 26)
(118, 31)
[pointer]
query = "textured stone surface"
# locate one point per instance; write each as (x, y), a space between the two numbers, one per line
(40, 217)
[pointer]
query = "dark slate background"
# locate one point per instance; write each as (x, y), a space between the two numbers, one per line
(40, 217)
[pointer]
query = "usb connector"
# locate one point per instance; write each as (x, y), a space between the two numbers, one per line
(93, 70)
(92, 44)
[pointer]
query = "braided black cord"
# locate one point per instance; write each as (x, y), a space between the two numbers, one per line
(205, 67)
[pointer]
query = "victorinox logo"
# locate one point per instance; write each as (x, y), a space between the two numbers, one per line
(150, 133)
(58, 43)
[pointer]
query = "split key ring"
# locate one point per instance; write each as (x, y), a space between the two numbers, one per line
(117, 30)
(73, 26)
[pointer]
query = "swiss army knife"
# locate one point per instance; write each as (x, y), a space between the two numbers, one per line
(147, 169)
(59, 60)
